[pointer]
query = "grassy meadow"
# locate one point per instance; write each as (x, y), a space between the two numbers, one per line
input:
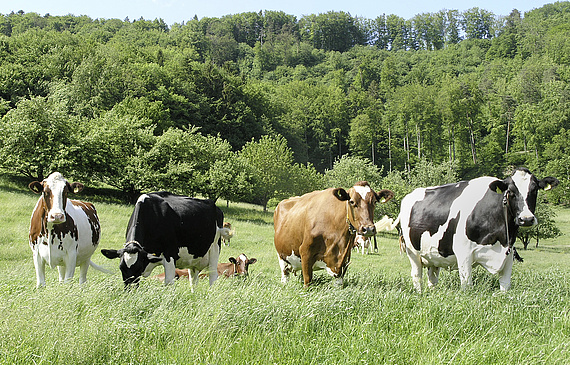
(376, 318)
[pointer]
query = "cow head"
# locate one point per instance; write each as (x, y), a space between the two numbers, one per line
(54, 190)
(242, 264)
(135, 261)
(360, 207)
(520, 191)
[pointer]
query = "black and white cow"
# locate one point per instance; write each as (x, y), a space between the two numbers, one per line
(463, 224)
(172, 230)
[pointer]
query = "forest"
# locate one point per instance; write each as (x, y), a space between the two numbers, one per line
(260, 106)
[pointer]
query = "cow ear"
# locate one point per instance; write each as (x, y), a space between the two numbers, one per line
(341, 194)
(110, 254)
(76, 187)
(252, 260)
(36, 187)
(233, 260)
(384, 195)
(498, 186)
(152, 258)
(548, 183)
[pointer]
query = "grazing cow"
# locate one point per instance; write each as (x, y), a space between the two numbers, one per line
(172, 230)
(63, 232)
(317, 230)
(463, 224)
(227, 233)
(227, 269)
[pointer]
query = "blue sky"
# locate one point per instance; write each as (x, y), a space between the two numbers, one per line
(177, 11)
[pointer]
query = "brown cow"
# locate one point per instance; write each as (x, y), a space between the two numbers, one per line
(317, 230)
(235, 267)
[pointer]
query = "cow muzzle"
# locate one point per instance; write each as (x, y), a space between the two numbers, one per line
(56, 217)
(526, 221)
(367, 231)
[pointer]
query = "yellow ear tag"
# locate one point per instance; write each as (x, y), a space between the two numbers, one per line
(548, 187)
(76, 190)
(383, 200)
(499, 191)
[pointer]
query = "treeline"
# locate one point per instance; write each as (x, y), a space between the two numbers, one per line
(142, 105)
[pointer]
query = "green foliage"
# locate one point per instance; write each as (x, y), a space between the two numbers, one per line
(349, 170)
(37, 138)
(479, 90)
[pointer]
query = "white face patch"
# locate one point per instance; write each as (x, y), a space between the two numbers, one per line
(362, 190)
(130, 259)
(522, 181)
(57, 184)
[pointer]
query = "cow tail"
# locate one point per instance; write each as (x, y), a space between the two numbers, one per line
(100, 268)
(401, 241)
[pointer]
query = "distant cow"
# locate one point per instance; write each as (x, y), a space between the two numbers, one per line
(63, 232)
(227, 233)
(172, 230)
(317, 230)
(365, 244)
(362, 243)
(236, 267)
(463, 224)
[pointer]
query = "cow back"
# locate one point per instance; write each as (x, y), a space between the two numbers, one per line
(163, 222)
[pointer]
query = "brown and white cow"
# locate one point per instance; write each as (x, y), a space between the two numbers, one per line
(236, 267)
(63, 232)
(317, 230)
(227, 233)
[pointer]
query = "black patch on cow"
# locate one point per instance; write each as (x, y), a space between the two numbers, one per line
(433, 211)
(164, 222)
(486, 223)
(445, 247)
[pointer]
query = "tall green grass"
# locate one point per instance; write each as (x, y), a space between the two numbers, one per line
(376, 318)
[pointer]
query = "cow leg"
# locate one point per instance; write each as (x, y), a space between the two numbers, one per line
(465, 266)
(61, 271)
(70, 263)
(169, 270)
(417, 268)
(505, 274)
(83, 272)
(433, 274)
(193, 277)
(285, 271)
(213, 258)
(40, 266)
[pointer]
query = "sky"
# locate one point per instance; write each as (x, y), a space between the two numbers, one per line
(178, 11)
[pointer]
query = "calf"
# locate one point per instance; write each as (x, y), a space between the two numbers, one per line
(63, 232)
(235, 267)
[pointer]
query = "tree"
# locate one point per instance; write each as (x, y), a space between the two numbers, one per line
(37, 138)
(271, 160)
(348, 170)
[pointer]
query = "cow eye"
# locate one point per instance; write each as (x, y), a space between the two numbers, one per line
(352, 202)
